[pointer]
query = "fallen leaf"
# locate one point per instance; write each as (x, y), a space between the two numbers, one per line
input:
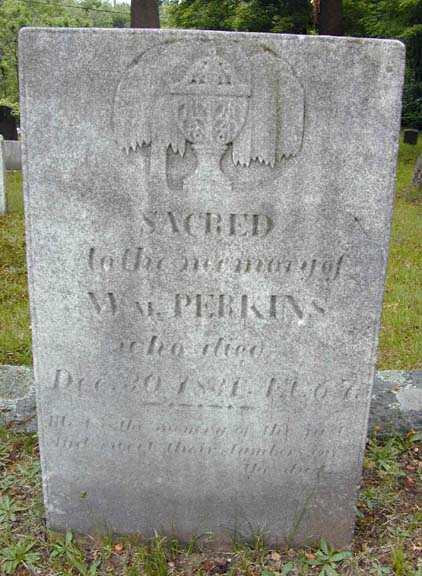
(207, 565)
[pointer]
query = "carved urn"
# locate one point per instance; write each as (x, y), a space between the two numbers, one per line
(212, 106)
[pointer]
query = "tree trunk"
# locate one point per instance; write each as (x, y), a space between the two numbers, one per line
(330, 18)
(144, 14)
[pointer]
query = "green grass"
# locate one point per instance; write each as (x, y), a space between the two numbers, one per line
(14, 192)
(387, 540)
(400, 336)
(400, 345)
(408, 155)
(15, 326)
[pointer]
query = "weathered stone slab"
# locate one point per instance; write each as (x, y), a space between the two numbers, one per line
(12, 154)
(396, 405)
(207, 254)
(17, 400)
(3, 197)
(417, 173)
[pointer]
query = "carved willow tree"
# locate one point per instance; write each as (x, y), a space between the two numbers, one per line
(144, 14)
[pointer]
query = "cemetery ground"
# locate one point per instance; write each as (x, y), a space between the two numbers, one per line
(388, 536)
(387, 540)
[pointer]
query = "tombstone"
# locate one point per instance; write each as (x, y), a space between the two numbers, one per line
(12, 154)
(206, 256)
(410, 136)
(3, 196)
(417, 174)
(8, 124)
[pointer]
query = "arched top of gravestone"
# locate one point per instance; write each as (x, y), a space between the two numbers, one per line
(210, 116)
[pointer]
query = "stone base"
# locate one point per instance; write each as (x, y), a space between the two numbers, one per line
(396, 402)
(17, 398)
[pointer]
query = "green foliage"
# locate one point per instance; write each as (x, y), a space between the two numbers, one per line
(386, 455)
(176, 548)
(8, 509)
(378, 570)
(152, 557)
(203, 14)
(17, 555)
(67, 549)
(327, 559)
(15, 331)
(14, 192)
(285, 570)
(400, 342)
(248, 15)
(399, 562)
(16, 14)
(288, 16)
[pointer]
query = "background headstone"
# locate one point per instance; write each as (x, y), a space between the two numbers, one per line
(417, 174)
(8, 125)
(410, 136)
(3, 197)
(206, 257)
(12, 154)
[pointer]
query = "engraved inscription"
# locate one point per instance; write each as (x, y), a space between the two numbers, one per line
(204, 225)
(140, 260)
(155, 346)
(212, 392)
(223, 348)
(276, 307)
(278, 455)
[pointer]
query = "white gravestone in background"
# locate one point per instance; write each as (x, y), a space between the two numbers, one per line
(208, 219)
(3, 196)
(12, 154)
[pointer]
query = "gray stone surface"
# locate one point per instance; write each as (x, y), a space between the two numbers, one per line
(206, 259)
(417, 174)
(3, 197)
(17, 398)
(396, 405)
(12, 154)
